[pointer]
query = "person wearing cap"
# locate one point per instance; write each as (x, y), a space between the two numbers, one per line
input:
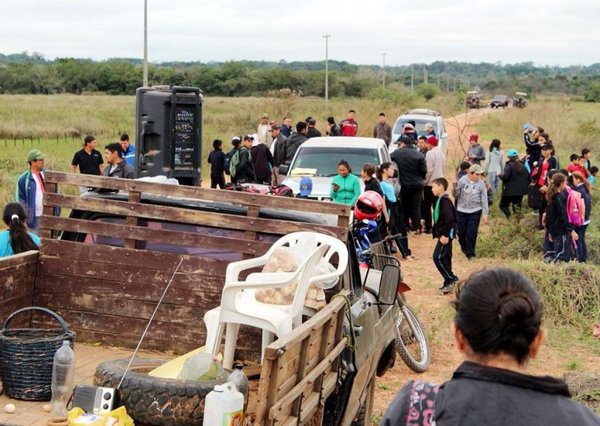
(30, 189)
(88, 159)
(411, 175)
(471, 207)
(305, 187)
(293, 143)
(382, 130)
(242, 169)
(263, 129)
(349, 126)
(475, 153)
(515, 184)
(436, 166)
(311, 130)
(409, 130)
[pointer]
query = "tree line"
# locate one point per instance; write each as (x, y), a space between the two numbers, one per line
(32, 74)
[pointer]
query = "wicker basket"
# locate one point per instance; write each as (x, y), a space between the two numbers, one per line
(27, 355)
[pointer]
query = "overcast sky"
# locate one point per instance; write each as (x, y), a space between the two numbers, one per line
(547, 32)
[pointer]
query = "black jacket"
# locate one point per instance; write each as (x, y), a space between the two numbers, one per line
(123, 170)
(278, 151)
(311, 132)
(557, 220)
(216, 159)
(445, 225)
(262, 160)
(291, 146)
(480, 395)
(245, 170)
(411, 167)
(515, 179)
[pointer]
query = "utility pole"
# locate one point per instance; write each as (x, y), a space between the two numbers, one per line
(326, 37)
(425, 74)
(145, 66)
(383, 80)
(412, 79)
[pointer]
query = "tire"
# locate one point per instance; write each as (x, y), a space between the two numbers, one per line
(155, 401)
(411, 340)
(363, 418)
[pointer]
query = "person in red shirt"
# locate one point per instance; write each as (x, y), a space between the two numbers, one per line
(578, 165)
(349, 126)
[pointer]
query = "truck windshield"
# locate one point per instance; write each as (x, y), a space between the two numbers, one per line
(325, 159)
(419, 127)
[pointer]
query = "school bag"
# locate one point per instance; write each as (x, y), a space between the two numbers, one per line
(227, 163)
(575, 207)
(234, 160)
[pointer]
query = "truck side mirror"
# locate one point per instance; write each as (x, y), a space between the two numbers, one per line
(283, 169)
(388, 284)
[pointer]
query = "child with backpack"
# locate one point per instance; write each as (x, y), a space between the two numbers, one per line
(236, 141)
(579, 184)
(561, 232)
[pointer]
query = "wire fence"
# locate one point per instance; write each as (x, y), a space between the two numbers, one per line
(23, 141)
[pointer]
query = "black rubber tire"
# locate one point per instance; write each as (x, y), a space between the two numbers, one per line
(412, 345)
(153, 401)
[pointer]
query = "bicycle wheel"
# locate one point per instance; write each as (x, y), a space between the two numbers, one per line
(411, 340)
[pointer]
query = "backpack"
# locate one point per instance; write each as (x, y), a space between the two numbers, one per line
(234, 161)
(575, 207)
(227, 163)
(282, 191)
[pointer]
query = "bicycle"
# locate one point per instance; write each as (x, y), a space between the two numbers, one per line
(411, 341)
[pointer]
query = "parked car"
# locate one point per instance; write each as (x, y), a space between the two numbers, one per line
(473, 99)
(318, 158)
(520, 100)
(499, 101)
(420, 117)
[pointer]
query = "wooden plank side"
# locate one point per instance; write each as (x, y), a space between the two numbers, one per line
(140, 233)
(17, 283)
(144, 259)
(138, 210)
(198, 193)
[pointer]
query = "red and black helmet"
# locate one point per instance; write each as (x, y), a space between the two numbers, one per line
(368, 206)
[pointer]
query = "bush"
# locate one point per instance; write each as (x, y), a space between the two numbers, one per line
(516, 238)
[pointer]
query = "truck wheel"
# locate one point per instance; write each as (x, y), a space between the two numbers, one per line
(411, 340)
(155, 401)
(366, 409)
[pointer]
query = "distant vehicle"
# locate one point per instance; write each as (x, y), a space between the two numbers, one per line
(474, 99)
(499, 101)
(420, 118)
(520, 100)
(318, 158)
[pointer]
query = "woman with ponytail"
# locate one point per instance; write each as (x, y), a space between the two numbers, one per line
(559, 230)
(580, 184)
(497, 329)
(16, 239)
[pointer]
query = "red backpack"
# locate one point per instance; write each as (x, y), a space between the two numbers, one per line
(575, 207)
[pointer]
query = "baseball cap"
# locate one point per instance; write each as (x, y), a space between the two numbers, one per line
(265, 115)
(432, 140)
(476, 168)
(35, 154)
(305, 186)
(513, 153)
(235, 140)
(409, 126)
(275, 127)
(248, 138)
(474, 137)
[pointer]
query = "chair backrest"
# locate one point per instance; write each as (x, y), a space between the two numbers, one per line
(304, 274)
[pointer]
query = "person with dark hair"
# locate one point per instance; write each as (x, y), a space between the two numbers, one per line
(539, 176)
(30, 188)
(580, 184)
(422, 145)
(533, 146)
(88, 159)
(592, 176)
(349, 126)
(367, 174)
(515, 184)
(494, 164)
(277, 147)
(497, 328)
(444, 230)
(577, 164)
(561, 233)
(242, 168)
(16, 239)
(586, 153)
(262, 160)
(382, 130)
(216, 159)
(345, 186)
(311, 130)
(286, 127)
(293, 143)
(128, 150)
(411, 175)
(332, 128)
(116, 166)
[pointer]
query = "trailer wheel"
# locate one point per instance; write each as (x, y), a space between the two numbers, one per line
(155, 401)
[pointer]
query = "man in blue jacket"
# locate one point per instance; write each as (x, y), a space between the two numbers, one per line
(30, 189)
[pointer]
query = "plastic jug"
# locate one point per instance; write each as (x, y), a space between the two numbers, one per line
(224, 406)
(239, 379)
(63, 371)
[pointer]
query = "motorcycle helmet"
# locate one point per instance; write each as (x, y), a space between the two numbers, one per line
(368, 206)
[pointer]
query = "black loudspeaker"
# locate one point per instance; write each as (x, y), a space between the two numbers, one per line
(169, 133)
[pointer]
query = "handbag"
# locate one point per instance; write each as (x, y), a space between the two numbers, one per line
(534, 197)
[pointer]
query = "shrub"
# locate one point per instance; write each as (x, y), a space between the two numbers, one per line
(516, 238)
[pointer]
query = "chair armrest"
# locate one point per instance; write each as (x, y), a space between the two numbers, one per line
(234, 269)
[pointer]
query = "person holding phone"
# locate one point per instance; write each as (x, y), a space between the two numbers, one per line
(345, 187)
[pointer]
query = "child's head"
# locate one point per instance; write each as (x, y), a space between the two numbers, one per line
(574, 158)
(439, 186)
(464, 166)
(586, 152)
(581, 160)
(368, 170)
(495, 144)
(593, 170)
(218, 144)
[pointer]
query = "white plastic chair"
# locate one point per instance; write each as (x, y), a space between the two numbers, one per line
(238, 302)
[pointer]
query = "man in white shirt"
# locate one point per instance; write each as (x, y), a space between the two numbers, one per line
(436, 165)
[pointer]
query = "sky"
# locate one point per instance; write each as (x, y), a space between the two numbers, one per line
(546, 32)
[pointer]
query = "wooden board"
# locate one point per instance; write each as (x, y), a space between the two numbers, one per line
(17, 279)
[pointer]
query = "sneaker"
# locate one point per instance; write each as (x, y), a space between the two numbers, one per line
(447, 288)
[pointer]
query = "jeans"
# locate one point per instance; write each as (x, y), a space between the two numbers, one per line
(411, 206)
(467, 227)
(398, 228)
(442, 257)
(493, 181)
(506, 201)
(428, 199)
